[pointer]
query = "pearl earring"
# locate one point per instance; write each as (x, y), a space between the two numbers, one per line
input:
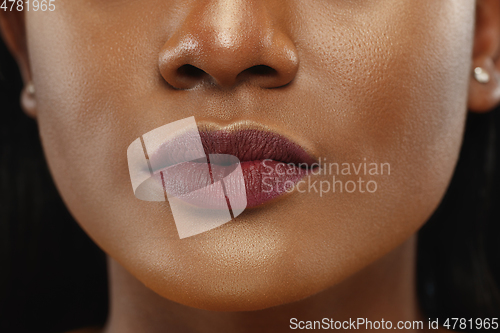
(30, 88)
(481, 75)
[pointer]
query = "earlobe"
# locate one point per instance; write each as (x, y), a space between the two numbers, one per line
(13, 31)
(28, 100)
(484, 87)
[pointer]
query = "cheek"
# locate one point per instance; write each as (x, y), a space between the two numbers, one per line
(92, 87)
(397, 76)
(390, 81)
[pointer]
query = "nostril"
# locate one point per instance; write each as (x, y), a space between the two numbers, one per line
(191, 72)
(265, 76)
(261, 70)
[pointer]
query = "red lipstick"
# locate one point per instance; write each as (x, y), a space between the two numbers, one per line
(271, 163)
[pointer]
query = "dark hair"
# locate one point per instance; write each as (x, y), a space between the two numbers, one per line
(459, 247)
(53, 277)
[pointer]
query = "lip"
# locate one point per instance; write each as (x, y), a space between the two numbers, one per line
(271, 163)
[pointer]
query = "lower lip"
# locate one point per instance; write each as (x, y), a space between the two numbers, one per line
(265, 180)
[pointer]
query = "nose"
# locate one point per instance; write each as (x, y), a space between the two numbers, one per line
(225, 43)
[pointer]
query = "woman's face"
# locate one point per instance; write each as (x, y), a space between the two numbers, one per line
(352, 81)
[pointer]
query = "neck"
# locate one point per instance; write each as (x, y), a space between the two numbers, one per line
(384, 290)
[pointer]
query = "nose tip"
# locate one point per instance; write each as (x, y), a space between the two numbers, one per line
(254, 52)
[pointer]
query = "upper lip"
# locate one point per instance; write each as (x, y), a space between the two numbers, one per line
(254, 145)
(247, 142)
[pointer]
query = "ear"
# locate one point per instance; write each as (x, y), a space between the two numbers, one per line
(485, 96)
(13, 32)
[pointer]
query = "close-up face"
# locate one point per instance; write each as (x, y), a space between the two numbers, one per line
(359, 82)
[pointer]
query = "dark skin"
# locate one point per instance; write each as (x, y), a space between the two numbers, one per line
(386, 80)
